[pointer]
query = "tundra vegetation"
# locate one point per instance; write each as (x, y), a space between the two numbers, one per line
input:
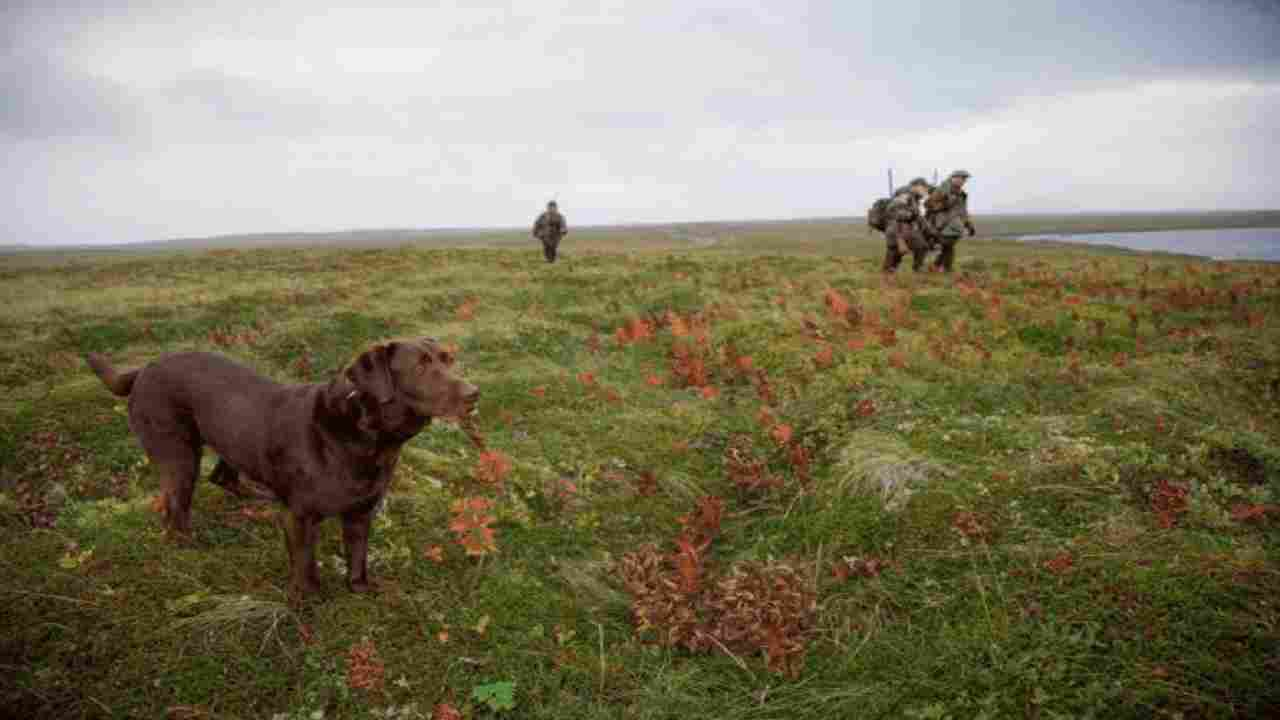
(731, 471)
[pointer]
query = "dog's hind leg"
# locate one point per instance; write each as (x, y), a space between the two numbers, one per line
(179, 468)
(175, 452)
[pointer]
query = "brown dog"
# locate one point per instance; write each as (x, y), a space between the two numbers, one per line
(322, 449)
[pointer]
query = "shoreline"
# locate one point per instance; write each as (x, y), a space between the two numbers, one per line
(1114, 243)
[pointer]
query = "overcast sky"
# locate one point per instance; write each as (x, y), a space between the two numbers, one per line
(121, 122)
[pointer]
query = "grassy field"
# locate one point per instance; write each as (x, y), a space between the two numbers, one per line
(734, 472)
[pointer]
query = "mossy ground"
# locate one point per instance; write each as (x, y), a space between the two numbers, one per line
(1043, 399)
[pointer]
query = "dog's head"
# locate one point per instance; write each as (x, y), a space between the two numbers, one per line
(403, 381)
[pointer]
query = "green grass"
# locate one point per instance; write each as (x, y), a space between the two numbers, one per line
(1026, 569)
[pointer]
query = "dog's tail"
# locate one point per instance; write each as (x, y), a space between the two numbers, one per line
(119, 383)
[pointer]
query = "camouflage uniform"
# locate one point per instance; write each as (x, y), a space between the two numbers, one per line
(549, 228)
(903, 232)
(947, 217)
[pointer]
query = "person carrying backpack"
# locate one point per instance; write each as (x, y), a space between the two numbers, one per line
(947, 216)
(549, 228)
(903, 231)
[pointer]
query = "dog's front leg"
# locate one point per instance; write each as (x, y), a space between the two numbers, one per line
(301, 532)
(355, 539)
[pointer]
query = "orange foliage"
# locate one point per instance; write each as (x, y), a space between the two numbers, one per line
(688, 366)
(781, 433)
(825, 357)
(969, 524)
(471, 525)
(1060, 564)
(646, 483)
(492, 467)
(688, 559)
(365, 670)
(748, 473)
(1168, 501)
(763, 388)
(636, 330)
(679, 326)
(445, 711)
(865, 408)
(703, 524)
(1248, 513)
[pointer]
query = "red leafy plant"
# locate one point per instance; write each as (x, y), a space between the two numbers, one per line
(824, 358)
(768, 608)
(865, 408)
(1060, 564)
(470, 525)
(970, 524)
(646, 483)
(689, 367)
(1168, 502)
(703, 524)
(1253, 513)
(748, 473)
(841, 309)
(492, 467)
(754, 607)
(445, 711)
(781, 433)
(636, 330)
(365, 670)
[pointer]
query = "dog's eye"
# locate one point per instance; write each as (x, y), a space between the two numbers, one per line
(446, 358)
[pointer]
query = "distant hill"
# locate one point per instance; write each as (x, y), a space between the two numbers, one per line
(697, 233)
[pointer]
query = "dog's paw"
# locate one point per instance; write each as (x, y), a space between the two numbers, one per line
(364, 585)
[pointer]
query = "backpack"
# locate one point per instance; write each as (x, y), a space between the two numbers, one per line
(878, 215)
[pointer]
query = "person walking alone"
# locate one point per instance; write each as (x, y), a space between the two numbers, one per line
(549, 228)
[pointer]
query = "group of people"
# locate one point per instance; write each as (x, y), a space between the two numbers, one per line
(943, 220)
(909, 228)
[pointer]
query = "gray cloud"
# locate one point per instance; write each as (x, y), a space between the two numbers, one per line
(125, 121)
(44, 99)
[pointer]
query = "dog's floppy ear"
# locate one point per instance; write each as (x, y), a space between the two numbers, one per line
(371, 372)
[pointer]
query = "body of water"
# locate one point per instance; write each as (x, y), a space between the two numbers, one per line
(1230, 244)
